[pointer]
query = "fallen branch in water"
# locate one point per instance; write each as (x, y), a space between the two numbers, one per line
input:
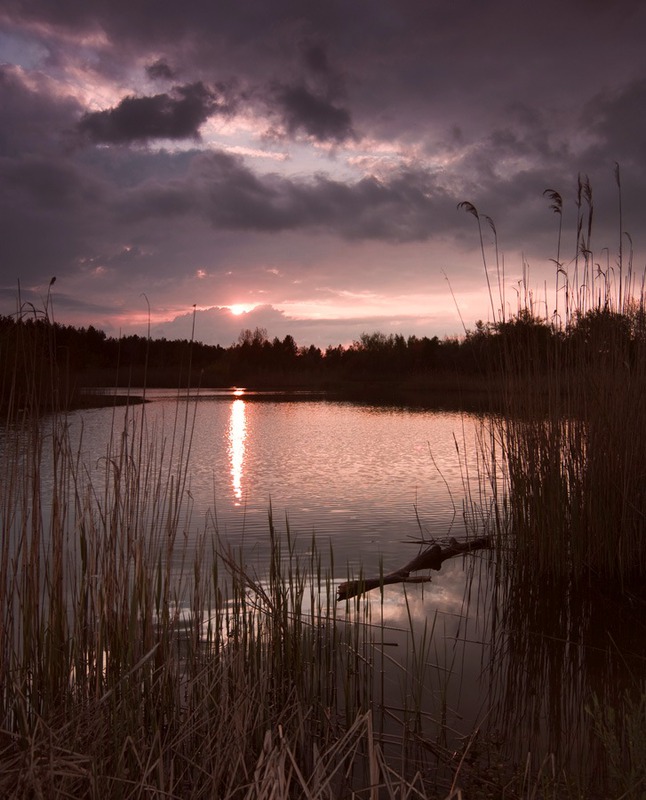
(431, 558)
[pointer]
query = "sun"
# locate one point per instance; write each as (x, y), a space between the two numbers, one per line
(239, 308)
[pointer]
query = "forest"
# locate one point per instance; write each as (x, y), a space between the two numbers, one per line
(64, 361)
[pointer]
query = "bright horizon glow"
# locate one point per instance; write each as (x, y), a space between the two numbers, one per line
(241, 308)
(349, 305)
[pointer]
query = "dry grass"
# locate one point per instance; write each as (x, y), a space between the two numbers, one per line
(563, 485)
(131, 666)
(570, 457)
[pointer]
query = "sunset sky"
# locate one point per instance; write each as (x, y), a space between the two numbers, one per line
(300, 163)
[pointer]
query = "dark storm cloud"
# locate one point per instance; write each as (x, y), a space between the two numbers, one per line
(422, 103)
(313, 106)
(160, 70)
(315, 58)
(48, 183)
(316, 116)
(157, 201)
(408, 206)
(407, 66)
(618, 120)
(68, 217)
(177, 115)
(52, 214)
(31, 120)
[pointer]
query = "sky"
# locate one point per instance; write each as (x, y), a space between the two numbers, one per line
(298, 166)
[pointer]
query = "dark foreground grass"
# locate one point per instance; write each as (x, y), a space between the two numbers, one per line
(564, 474)
(133, 666)
(569, 465)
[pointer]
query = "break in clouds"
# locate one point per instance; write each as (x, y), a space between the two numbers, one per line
(274, 156)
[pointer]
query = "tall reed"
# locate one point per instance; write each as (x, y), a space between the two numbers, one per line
(138, 660)
(565, 465)
(572, 436)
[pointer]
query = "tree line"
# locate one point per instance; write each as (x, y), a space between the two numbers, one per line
(46, 359)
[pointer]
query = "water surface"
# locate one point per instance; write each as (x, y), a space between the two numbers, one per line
(363, 478)
(373, 484)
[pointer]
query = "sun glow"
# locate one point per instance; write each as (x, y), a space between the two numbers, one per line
(240, 308)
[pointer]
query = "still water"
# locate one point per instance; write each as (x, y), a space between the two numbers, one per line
(370, 484)
(364, 479)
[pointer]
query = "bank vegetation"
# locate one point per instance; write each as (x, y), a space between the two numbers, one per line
(131, 667)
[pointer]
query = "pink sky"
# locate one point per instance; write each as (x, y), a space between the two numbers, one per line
(306, 163)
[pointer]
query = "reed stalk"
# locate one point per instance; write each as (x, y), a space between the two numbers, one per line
(571, 441)
(133, 664)
(562, 486)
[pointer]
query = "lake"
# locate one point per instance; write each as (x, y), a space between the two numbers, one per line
(371, 485)
(368, 482)
(364, 478)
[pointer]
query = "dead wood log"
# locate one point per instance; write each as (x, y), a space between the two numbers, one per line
(431, 558)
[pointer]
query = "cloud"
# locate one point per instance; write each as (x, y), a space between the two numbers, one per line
(175, 115)
(612, 117)
(159, 70)
(387, 118)
(405, 207)
(316, 59)
(34, 118)
(408, 205)
(315, 115)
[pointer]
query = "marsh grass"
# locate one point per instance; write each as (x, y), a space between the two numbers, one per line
(137, 661)
(563, 487)
(576, 463)
(570, 446)
(135, 665)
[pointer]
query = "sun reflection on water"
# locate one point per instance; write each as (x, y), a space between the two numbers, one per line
(237, 436)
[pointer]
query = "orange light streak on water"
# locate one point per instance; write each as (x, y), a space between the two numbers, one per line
(237, 436)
